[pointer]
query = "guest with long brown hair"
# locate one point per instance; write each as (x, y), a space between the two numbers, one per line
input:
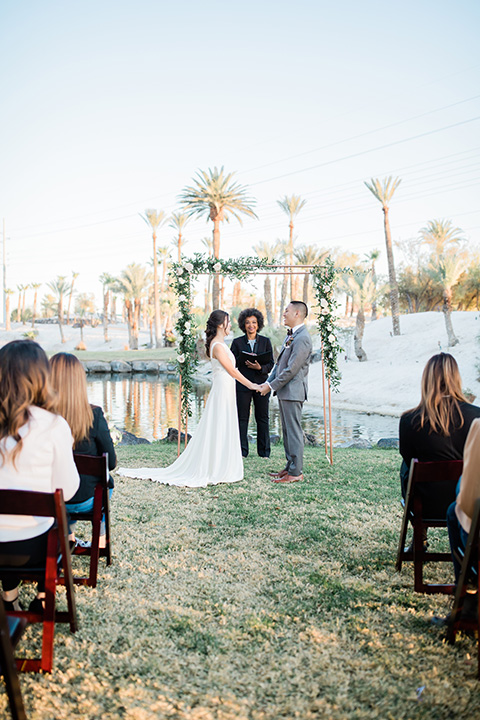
(437, 428)
(89, 429)
(35, 455)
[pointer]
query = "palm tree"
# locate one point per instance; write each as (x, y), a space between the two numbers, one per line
(8, 292)
(20, 289)
(372, 258)
(107, 281)
(207, 242)
(74, 277)
(60, 287)
(268, 252)
(291, 206)
(216, 196)
(85, 303)
(133, 284)
(309, 255)
(155, 219)
(178, 222)
(447, 264)
(25, 288)
(35, 287)
(383, 191)
(362, 291)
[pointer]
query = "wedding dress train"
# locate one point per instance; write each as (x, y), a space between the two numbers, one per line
(213, 455)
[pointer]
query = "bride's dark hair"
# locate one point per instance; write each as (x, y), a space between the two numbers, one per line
(216, 319)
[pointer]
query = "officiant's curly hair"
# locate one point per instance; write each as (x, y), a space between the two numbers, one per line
(250, 312)
(216, 319)
(439, 408)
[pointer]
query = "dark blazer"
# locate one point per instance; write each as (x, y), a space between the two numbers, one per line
(98, 441)
(262, 345)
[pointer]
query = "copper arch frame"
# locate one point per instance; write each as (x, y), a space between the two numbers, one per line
(325, 377)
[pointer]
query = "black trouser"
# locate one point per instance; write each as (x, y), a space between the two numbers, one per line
(23, 553)
(244, 399)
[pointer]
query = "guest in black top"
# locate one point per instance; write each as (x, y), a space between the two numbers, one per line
(89, 429)
(438, 427)
(250, 321)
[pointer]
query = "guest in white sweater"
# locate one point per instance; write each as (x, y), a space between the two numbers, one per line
(35, 454)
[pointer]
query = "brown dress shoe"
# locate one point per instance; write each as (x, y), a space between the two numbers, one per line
(278, 474)
(288, 479)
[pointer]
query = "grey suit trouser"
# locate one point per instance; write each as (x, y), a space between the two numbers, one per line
(291, 417)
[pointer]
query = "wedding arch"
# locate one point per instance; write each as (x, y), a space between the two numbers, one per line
(182, 276)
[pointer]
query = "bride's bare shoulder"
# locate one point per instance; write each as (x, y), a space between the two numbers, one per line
(215, 351)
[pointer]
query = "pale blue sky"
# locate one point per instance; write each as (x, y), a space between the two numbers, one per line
(110, 107)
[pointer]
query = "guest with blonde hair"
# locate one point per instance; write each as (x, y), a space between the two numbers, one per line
(89, 429)
(35, 455)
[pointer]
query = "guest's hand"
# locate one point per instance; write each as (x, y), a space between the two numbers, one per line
(253, 365)
(264, 389)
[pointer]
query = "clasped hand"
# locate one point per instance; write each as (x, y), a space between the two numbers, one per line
(263, 389)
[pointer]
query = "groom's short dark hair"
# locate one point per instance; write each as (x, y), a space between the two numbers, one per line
(300, 306)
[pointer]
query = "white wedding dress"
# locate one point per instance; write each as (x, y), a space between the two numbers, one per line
(213, 455)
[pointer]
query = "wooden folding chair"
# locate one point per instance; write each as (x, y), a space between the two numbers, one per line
(11, 629)
(56, 571)
(97, 466)
(469, 573)
(431, 488)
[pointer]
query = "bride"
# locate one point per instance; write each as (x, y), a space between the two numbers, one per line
(214, 454)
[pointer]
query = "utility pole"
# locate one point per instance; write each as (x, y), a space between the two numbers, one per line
(4, 275)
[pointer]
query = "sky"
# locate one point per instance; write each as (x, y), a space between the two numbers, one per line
(109, 108)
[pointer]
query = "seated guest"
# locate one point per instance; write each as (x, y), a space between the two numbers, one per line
(35, 455)
(250, 322)
(89, 428)
(438, 427)
(460, 513)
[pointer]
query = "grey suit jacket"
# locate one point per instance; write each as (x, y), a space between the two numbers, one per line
(289, 377)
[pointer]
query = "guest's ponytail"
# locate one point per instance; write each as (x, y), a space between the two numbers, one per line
(216, 319)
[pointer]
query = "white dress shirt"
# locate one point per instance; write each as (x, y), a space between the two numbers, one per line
(44, 464)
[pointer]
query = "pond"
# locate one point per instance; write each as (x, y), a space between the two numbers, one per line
(147, 405)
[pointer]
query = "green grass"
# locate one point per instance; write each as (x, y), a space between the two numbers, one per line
(258, 601)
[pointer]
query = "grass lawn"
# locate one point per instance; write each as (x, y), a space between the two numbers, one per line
(258, 601)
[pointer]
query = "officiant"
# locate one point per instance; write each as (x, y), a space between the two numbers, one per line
(254, 356)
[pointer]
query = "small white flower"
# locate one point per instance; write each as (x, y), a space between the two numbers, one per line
(180, 281)
(180, 271)
(325, 311)
(188, 266)
(181, 358)
(332, 338)
(324, 303)
(217, 267)
(188, 325)
(181, 298)
(186, 331)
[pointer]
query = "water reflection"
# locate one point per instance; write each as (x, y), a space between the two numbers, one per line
(147, 405)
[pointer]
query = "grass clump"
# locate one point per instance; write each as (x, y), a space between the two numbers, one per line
(257, 601)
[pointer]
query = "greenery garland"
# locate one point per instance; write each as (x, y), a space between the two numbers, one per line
(182, 276)
(324, 281)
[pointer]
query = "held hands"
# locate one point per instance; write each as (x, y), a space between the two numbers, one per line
(263, 389)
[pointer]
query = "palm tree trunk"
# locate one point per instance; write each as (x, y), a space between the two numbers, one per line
(19, 305)
(127, 311)
(136, 323)
(267, 289)
(34, 313)
(283, 298)
(374, 302)
(305, 288)
(156, 298)
(60, 318)
(105, 315)
(216, 254)
(179, 246)
(8, 325)
(394, 304)
(447, 314)
(290, 257)
(23, 305)
(358, 336)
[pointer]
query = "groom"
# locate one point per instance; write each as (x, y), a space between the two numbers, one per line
(288, 380)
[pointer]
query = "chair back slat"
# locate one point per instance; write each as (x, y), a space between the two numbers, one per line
(25, 502)
(94, 465)
(435, 484)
